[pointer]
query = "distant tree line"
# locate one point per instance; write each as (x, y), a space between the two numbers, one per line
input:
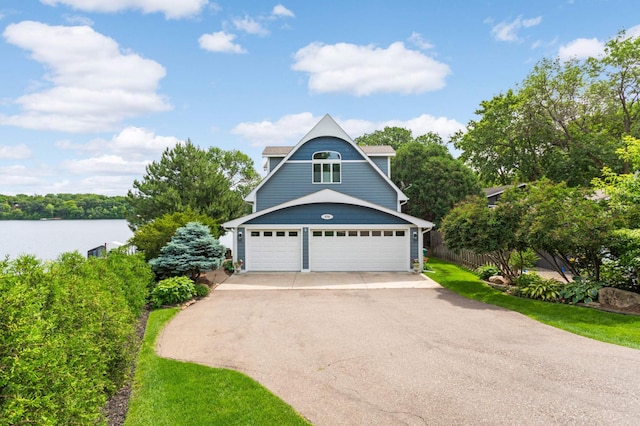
(63, 206)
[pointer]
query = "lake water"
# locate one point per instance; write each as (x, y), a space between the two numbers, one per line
(46, 239)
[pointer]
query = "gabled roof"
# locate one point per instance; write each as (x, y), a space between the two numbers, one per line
(370, 150)
(497, 190)
(328, 196)
(325, 127)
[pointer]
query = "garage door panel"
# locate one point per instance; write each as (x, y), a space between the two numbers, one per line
(273, 250)
(363, 250)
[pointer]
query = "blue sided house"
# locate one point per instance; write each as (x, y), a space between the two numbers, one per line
(327, 204)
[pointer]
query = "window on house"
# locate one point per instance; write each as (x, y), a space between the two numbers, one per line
(326, 167)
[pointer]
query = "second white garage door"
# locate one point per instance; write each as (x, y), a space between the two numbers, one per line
(359, 250)
(273, 250)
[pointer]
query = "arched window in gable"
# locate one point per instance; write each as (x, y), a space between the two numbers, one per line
(326, 167)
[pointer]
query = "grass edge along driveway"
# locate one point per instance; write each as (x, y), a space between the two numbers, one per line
(169, 392)
(619, 329)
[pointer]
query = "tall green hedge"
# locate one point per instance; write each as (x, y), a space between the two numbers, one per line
(67, 335)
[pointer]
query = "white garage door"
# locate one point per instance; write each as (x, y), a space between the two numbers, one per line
(273, 250)
(359, 250)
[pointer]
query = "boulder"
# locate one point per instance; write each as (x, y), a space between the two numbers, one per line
(499, 279)
(617, 298)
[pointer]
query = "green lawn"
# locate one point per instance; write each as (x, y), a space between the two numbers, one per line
(168, 392)
(608, 327)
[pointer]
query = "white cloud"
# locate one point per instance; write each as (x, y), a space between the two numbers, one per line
(633, 31)
(508, 31)
(220, 42)
(132, 142)
(250, 25)
(137, 142)
(106, 164)
(93, 84)
(78, 20)
(289, 129)
(281, 11)
(581, 48)
(364, 70)
(172, 9)
(18, 175)
(416, 39)
(14, 152)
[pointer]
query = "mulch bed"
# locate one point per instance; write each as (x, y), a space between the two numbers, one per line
(117, 406)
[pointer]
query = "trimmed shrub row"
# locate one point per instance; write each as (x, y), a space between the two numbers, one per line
(67, 335)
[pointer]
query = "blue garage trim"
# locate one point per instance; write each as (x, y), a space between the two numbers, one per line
(346, 150)
(305, 249)
(342, 214)
(241, 236)
(414, 244)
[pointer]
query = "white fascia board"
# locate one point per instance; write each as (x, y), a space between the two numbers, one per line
(329, 196)
(327, 126)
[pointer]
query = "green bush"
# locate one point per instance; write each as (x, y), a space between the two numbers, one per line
(202, 290)
(67, 336)
(227, 264)
(580, 291)
(522, 260)
(486, 271)
(172, 291)
(533, 286)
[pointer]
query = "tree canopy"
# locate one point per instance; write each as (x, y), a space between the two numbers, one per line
(62, 206)
(564, 122)
(210, 182)
(426, 172)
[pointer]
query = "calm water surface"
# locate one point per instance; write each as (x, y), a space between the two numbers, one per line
(46, 239)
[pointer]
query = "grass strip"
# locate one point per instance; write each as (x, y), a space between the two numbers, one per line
(169, 392)
(619, 329)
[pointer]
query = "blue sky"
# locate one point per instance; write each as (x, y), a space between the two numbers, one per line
(93, 90)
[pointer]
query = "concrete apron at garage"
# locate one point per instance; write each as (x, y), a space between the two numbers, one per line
(325, 281)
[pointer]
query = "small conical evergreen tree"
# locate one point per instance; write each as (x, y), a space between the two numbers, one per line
(191, 251)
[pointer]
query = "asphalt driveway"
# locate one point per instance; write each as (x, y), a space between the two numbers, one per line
(414, 356)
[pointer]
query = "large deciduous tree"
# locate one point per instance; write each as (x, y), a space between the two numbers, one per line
(432, 179)
(210, 182)
(425, 170)
(564, 122)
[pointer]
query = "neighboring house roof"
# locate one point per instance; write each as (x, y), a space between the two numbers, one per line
(327, 127)
(329, 196)
(497, 190)
(370, 150)
(276, 151)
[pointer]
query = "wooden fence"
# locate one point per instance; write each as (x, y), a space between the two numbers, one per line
(465, 258)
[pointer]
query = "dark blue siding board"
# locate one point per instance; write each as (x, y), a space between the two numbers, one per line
(273, 162)
(343, 214)
(382, 163)
(414, 244)
(325, 143)
(240, 246)
(305, 248)
(293, 180)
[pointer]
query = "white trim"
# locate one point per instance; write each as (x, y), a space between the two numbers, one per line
(311, 161)
(325, 127)
(329, 196)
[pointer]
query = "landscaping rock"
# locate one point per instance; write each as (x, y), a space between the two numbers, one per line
(499, 279)
(617, 298)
